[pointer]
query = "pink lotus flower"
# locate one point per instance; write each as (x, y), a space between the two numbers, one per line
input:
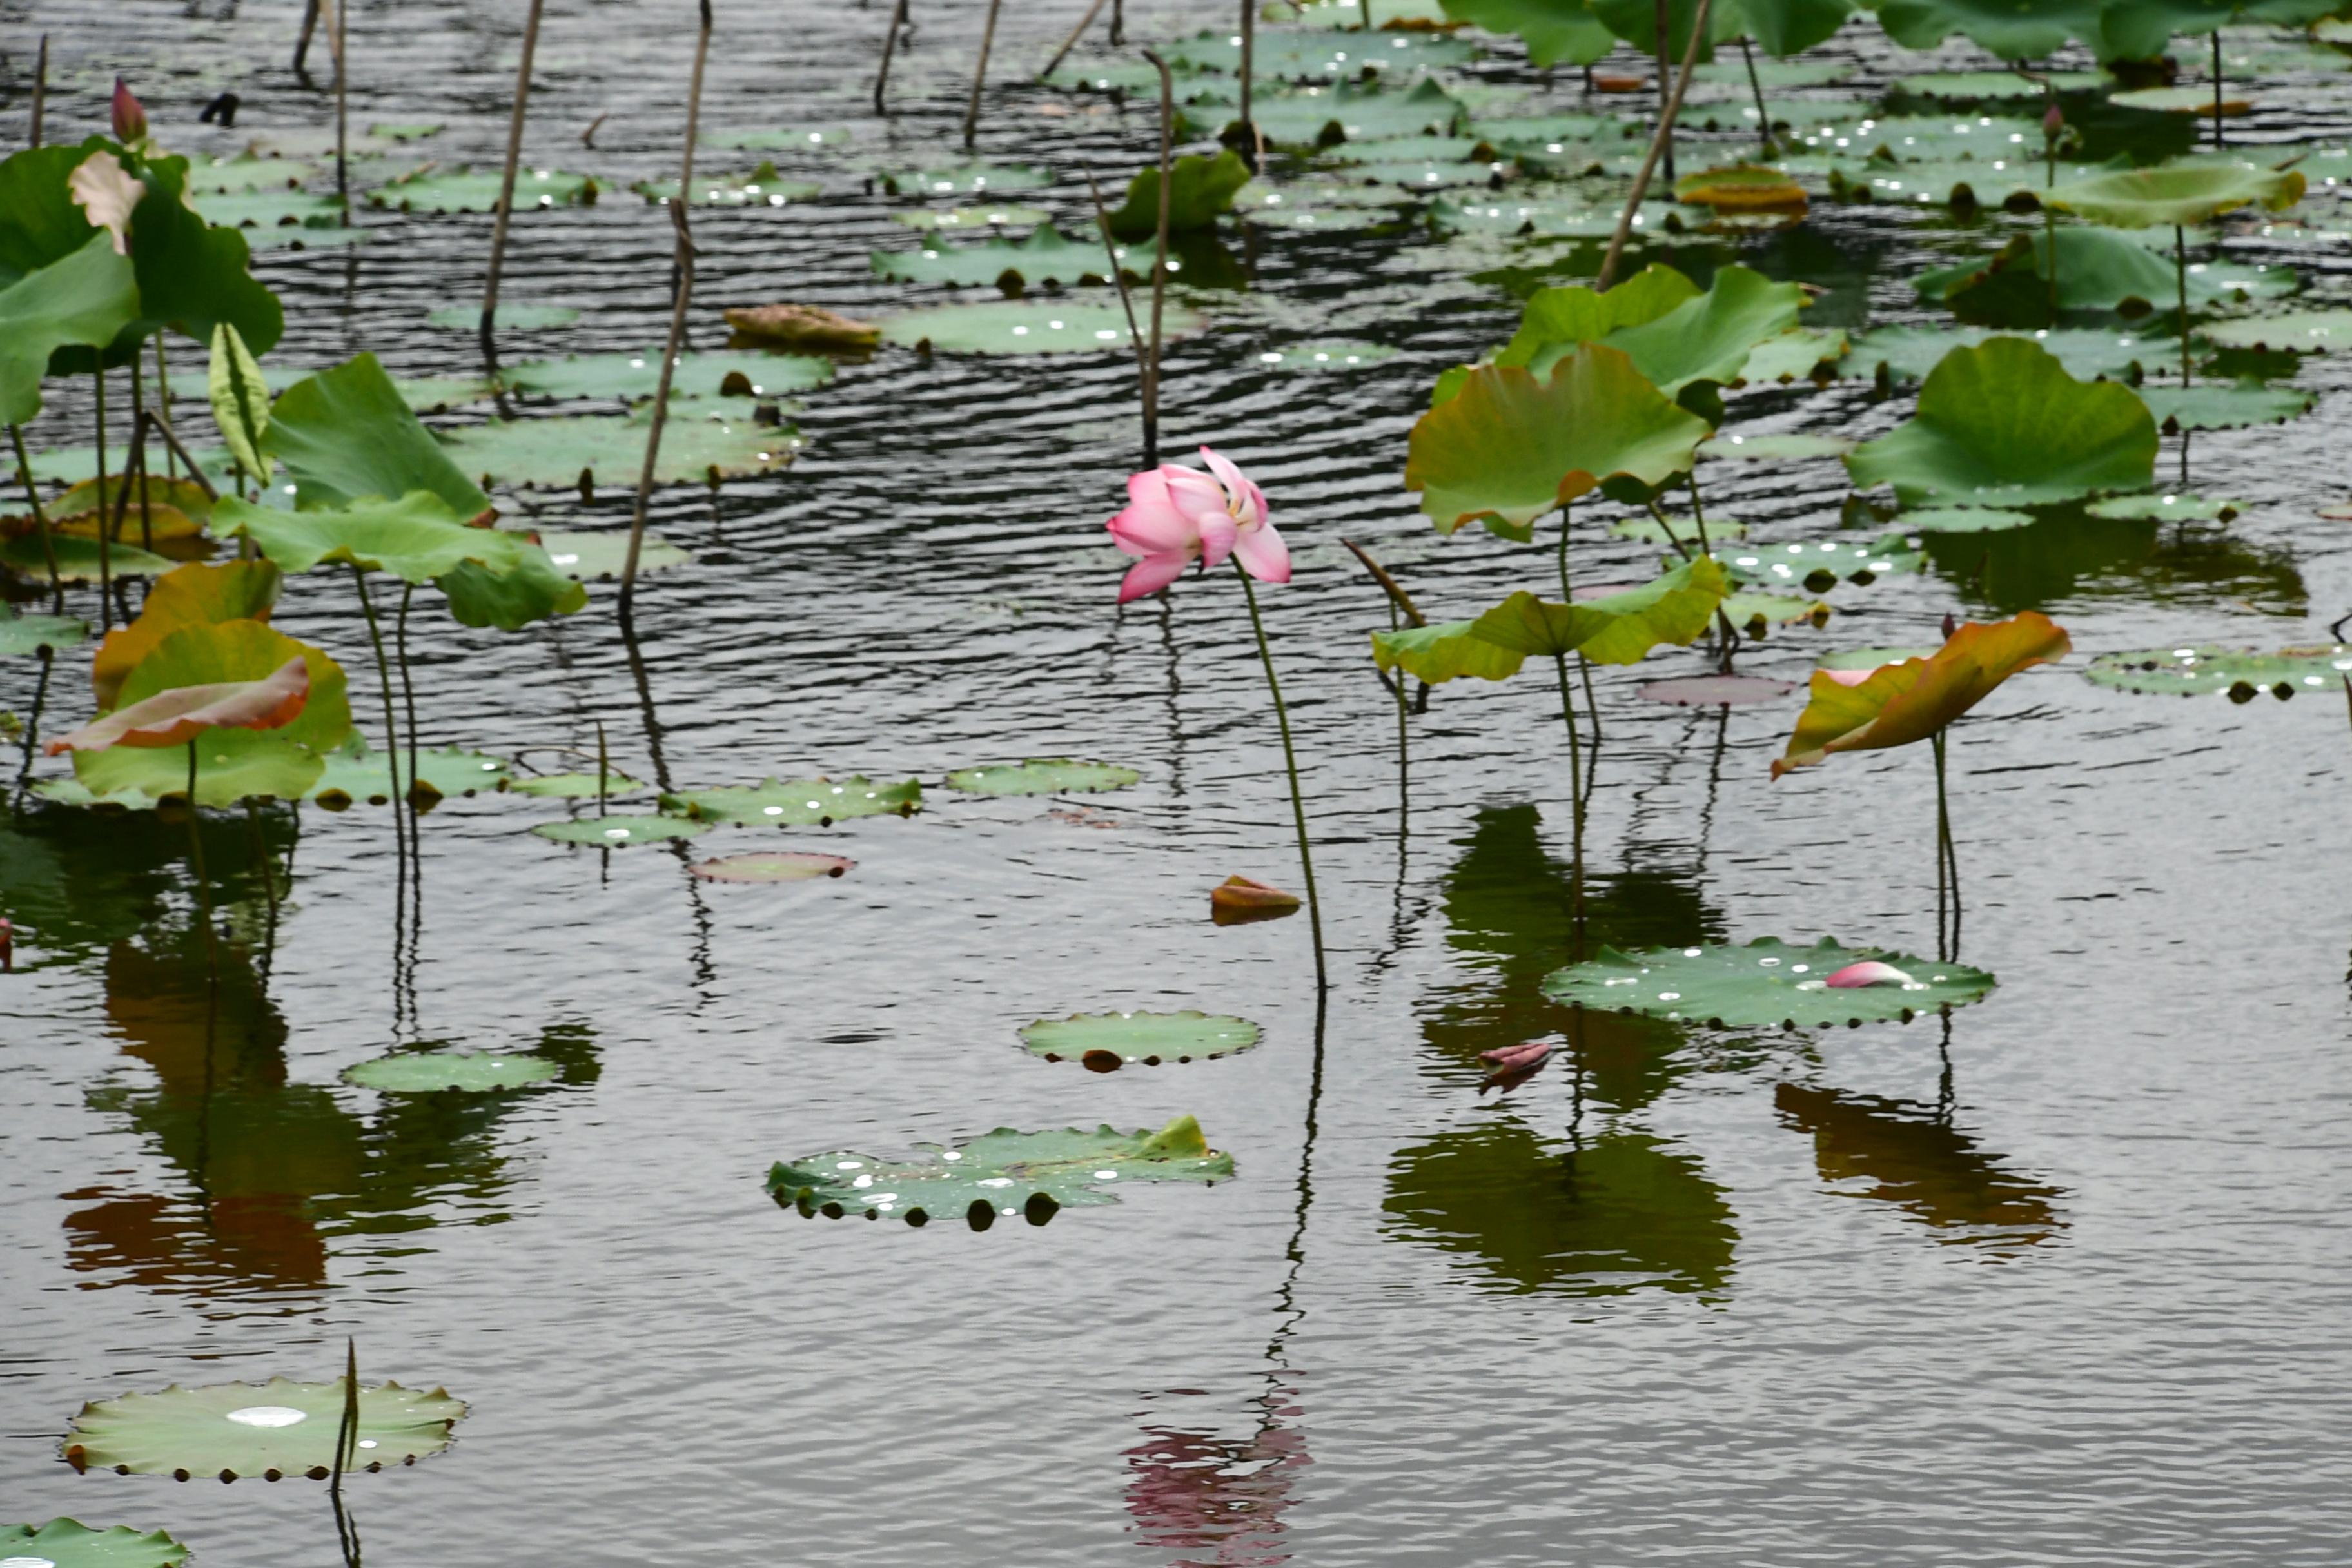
(1176, 516)
(129, 116)
(1870, 971)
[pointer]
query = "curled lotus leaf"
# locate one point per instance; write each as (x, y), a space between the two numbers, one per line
(700, 444)
(1619, 628)
(86, 297)
(1026, 327)
(797, 802)
(1000, 1173)
(354, 773)
(69, 1543)
(21, 633)
(968, 180)
(576, 786)
(1509, 448)
(2299, 331)
(594, 557)
(771, 866)
(438, 1072)
(973, 220)
(416, 539)
(1046, 256)
(634, 377)
(1105, 1042)
(278, 1428)
(1043, 775)
(1897, 704)
(521, 316)
(2004, 422)
(2225, 407)
(2239, 674)
(431, 189)
(1674, 333)
(2177, 193)
(2174, 508)
(1767, 981)
(619, 832)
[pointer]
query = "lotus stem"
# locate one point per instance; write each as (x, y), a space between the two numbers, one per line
(384, 675)
(1665, 79)
(302, 39)
(105, 555)
(1764, 148)
(1159, 255)
(1568, 597)
(1667, 524)
(41, 88)
(1723, 622)
(1658, 145)
(603, 768)
(347, 1450)
(268, 887)
(1398, 598)
(40, 519)
(139, 452)
(408, 688)
(1367, 22)
(661, 399)
(2180, 275)
(506, 195)
(1948, 863)
(1404, 776)
(889, 48)
(196, 870)
(33, 725)
(164, 415)
(1126, 304)
(1290, 764)
(1118, 23)
(162, 424)
(1249, 58)
(1071, 42)
(2217, 87)
(134, 457)
(979, 75)
(339, 29)
(1577, 789)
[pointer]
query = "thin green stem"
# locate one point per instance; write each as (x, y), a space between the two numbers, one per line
(2180, 272)
(1947, 865)
(196, 870)
(1722, 622)
(384, 675)
(1763, 117)
(105, 554)
(1568, 597)
(1290, 762)
(40, 519)
(1576, 795)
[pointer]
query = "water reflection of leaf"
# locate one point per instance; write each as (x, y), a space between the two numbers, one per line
(2072, 553)
(1217, 1503)
(1921, 1163)
(1626, 1213)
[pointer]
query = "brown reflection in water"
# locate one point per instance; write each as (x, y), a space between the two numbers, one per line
(1923, 1165)
(1217, 1503)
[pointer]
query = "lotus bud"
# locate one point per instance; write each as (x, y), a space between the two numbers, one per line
(1951, 626)
(1870, 971)
(2053, 123)
(129, 116)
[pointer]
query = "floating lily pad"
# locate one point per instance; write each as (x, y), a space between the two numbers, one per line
(1715, 690)
(512, 318)
(968, 180)
(618, 832)
(1046, 256)
(950, 220)
(355, 774)
(69, 1543)
(1789, 448)
(797, 802)
(431, 393)
(1765, 983)
(21, 633)
(1979, 86)
(700, 444)
(1027, 327)
(1965, 519)
(2241, 673)
(436, 1072)
(771, 866)
(1751, 611)
(1564, 215)
(1311, 56)
(634, 377)
(1650, 530)
(762, 187)
(273, 1428)
(271, 219)
(1349, 113)
(1105, 1042)
(2301, 331)
(1819, 564)
(2164, 509)
(1909, 354)
(433, 190)
(2218, 407)
(1000, 1173)
(576, 786)
(207, 176)
(1325, 357)
(1043, 775)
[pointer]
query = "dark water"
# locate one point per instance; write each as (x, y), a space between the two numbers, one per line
(2068, 1288)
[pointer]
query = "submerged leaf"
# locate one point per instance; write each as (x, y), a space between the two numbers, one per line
(1104, 1041)
(797, 802)
(771, 866)
(278, 1428)
(1765, 983)
(1043, 775)
(1896, 704)
(439, 1072)
(1000, 1173)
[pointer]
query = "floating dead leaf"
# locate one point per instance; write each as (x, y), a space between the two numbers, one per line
(808, 328)
(1237, 901)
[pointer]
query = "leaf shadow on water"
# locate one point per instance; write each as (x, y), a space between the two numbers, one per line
(75, 881)
(272, 1172)
(1913, 1157)
(2070, 554)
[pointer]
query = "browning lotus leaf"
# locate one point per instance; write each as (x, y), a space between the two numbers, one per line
(268, 1429)
(1767, 982)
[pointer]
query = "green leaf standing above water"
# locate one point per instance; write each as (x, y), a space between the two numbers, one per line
(87, 299)
(346, 433)
(1766, 983)
(278, 1428)
(69, 1543)
(2176, 195)
(1000, 1173)
(1200, 190)
(1615, 629)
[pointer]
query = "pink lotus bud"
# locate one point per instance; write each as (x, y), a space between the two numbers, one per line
(1870, 971)
(1510, 1058)
(2053, 123)
(1951, 626)
(130, 117)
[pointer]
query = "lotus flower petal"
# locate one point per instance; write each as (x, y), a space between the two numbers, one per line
(106, 194)
(1152, 574)
(1242, 497)
(1870, 971)
(169, 718)
(1152, 524)
(1263, 553)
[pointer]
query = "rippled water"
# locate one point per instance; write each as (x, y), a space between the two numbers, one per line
(2066, 1287)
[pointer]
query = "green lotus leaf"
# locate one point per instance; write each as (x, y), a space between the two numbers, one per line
(67, 1543)
(1785, 27)
(517, 317)
(585, 557)
(89, 296)
(1314, 56)
(21, 633)
(2221, 406)
(416, 538)
(438, 1072)
(1200, 189)
(953, 219)
(619, 832)
(2013, 29)
(1444, 651)
(77, 559)
(359, 774)
(968, 180)
(1027, 327)
(248, 172)
(1751, 611)
(1709, 338)
(1400, 149)
(1043, 775)
(2098, 269)
(2153, 507)
(433, 394)
(346, 433)
(634, 377)
(1046, 256)
(700, 444)
(1765, 983)
(1965, 519)
(2177, 193)
(762, 187)
(278, 1428)
(1988, 87)
(2301, 331)
(2004, 422)
(1307, 116)
(2239, 673)
(529, 587)
(2140, 28)
(1000, 1173)
(1510, 448)
(232, 763)
(797, 802)
(1650, 530)
(269, 219)
(771, 865)
(1636, 22)
(576, 786)
(1818, 564)
(1325, 355)
(1912, 353)
(1794, 355)
(1841, 132)
(1788, 449)
(1566, 215)
(431, 189)
(1106, 1041)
